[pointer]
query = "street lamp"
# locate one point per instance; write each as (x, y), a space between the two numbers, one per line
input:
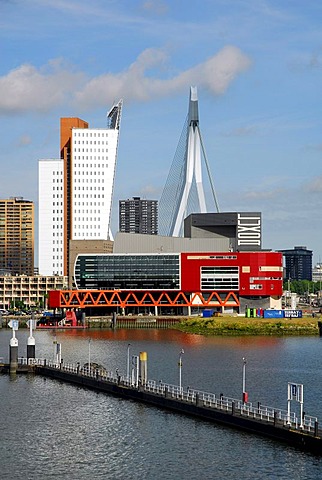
(128, 363)
(180, 368)
(245, 394)
(89, 356)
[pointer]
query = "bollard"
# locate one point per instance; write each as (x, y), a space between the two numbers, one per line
(275, 419)
(31, 343)
(13, 347)
(143, 368)
(13, 355)
(316, 428)
(320, 328)
(31, 348)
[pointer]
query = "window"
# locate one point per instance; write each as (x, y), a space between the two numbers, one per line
(219, 278)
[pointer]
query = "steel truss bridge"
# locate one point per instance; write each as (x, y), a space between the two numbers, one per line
(125, 298)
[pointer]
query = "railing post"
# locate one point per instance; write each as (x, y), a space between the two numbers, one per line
(275, 418)
(233, 408)
(316, 428)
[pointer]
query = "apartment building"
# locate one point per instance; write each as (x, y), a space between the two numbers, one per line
(138, 215)
(31, 290)
(17, 236)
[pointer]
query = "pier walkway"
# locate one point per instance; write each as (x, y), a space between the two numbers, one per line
(260, 419)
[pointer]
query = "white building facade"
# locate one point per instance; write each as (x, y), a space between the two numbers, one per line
(94, 162)
(51, 216)
(76, 192)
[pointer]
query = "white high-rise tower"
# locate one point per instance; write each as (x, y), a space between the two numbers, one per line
(76, 191)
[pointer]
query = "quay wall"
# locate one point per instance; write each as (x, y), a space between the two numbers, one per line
(233, 418)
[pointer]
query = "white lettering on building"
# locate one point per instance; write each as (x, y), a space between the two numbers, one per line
(248, 230)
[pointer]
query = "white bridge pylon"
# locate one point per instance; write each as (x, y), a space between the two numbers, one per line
(193, 169)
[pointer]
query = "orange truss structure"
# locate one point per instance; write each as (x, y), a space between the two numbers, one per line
(126, 298)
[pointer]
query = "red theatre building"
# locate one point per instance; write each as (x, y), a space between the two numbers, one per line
(175, 283)
(219, 264)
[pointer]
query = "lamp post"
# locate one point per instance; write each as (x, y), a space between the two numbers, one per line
(245, 394)
(128, 362)
(89, 356)
(180, 369)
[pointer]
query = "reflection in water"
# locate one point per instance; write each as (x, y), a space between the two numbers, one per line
(50, 429)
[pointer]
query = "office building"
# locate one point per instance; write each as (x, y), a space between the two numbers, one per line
(32, 290)
(51, 217)
(297, 263)
(317, 273)
(75, 191)
(138, 216)
(17, 236)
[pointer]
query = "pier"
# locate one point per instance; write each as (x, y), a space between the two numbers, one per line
(280, 425)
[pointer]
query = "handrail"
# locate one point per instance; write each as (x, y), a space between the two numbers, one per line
(193, 396)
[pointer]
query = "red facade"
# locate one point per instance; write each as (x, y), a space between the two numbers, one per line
(260, 273)
(215, 280)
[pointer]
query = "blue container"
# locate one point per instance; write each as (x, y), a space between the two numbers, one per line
(207, 313)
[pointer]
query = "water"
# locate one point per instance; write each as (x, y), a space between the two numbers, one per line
(50, 429)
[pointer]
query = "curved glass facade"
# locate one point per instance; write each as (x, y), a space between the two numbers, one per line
(128, 272)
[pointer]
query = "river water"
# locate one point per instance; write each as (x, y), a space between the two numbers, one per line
(52, 430)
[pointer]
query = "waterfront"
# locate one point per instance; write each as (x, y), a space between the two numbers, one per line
(51, 429)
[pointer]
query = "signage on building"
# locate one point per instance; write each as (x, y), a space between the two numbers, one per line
(249, 231)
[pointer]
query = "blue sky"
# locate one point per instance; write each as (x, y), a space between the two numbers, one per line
(257, 66)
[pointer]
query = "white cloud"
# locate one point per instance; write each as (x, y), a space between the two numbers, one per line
(215, 74)
(28, 89)
(38, 90)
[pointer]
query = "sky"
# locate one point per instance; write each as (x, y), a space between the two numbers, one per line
(257, 65)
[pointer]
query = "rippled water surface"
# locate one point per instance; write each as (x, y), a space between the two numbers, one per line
(51, 430)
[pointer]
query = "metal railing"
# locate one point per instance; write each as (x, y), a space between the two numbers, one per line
(31, 361)
(200, 398)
